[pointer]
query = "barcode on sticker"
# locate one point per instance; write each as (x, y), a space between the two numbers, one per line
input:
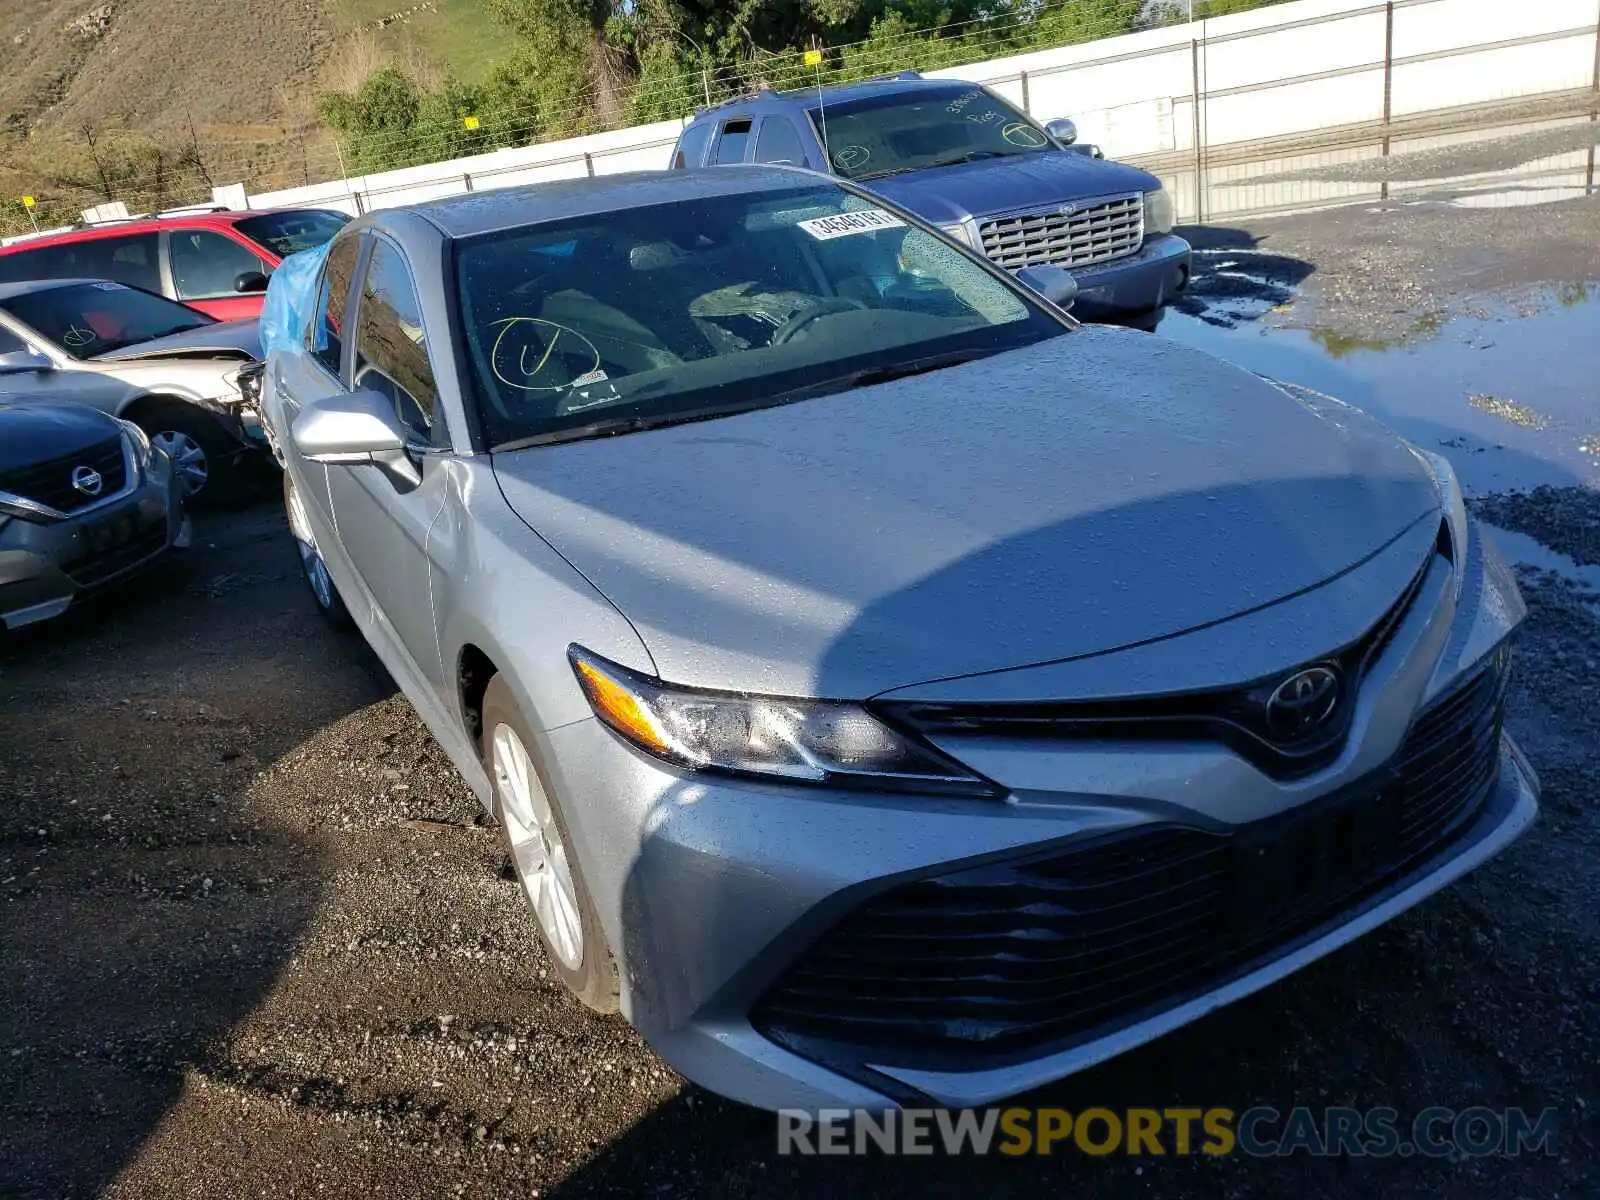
(868, 220)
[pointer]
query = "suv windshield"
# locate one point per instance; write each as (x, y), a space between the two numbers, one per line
(89, 319)
(680, 311)
(918, 128)
(286, 233)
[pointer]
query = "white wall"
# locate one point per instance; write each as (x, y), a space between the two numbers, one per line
(1290, 69)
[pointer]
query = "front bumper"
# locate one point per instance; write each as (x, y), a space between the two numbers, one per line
(1139, 283)
(46, 565)
(713, 893)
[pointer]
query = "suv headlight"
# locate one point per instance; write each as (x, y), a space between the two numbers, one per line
(773, 737)
(1159, 216)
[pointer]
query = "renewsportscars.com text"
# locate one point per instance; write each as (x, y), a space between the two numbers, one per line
(1259, 1132)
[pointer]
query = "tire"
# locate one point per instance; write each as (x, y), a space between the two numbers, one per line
(202, 453)
(541, 858)
(324, 592)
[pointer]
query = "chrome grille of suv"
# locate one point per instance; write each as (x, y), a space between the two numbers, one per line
(1096, 232)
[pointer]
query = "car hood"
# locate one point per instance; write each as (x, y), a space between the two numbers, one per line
(35, 433)
(1094, 491)
(944, 195)
(224, 339)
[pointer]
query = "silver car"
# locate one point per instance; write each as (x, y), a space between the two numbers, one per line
(173, 370)
(889, 691)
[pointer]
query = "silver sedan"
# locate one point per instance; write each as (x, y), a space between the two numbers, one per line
(890, 692)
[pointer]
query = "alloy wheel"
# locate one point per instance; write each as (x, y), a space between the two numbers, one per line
(537, 848)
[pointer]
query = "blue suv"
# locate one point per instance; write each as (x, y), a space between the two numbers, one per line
(964, 159)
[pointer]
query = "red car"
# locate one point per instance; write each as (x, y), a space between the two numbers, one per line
(217, 262)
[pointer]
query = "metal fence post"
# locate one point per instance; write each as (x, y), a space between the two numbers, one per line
(1199, 152)
(588, 163)
(1027, 107)
(1388, 85)
(1594, 77)
(466, 178)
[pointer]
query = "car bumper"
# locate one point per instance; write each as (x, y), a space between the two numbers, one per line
(45, 566)
(1147, 280)
(714, 892)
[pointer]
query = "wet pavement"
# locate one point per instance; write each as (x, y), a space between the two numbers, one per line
(1508, 392)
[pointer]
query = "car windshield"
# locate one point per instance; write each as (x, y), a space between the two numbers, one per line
(910, 130)
(686, 310)
(90, 319)
(286, 233)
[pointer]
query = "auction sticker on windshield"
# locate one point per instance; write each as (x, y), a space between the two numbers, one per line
(868, 220)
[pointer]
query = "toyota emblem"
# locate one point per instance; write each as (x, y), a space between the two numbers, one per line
(1303, 702)
(87, 480)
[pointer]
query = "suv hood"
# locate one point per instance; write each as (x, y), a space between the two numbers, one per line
(1100, 489)
(36, 433)
(224, 339)
(944, 195)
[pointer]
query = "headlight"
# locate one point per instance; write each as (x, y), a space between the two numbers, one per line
(232, 392)
(801, 741)
(137, 438)
(957, 231)
(1158, 211)
(1451, 500)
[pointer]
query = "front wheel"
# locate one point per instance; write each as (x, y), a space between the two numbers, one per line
(329, 603)
(540, 846)
(204, 460)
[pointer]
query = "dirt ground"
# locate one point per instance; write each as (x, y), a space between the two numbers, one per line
(253, 943)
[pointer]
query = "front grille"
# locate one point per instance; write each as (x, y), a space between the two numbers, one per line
(1096, 233)
(1236, 717)
(50, 482)
(111, 547)
(1025, 957)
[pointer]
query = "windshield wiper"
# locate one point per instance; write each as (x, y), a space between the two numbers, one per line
(882, 173)
(869, 376)
(969, 156)
(616, 426)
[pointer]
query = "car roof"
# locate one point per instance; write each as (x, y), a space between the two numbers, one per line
(102, 229)
(533, 204)
(842, 93)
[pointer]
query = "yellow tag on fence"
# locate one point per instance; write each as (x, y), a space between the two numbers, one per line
(813, 58)
(470, 122)
(28, 202)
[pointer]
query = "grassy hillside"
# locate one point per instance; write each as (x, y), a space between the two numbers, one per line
(225, 84)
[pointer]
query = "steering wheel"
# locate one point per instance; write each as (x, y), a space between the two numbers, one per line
(824, 308)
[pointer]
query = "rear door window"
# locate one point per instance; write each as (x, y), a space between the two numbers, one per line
(132, 259)
(778, 142)
(325, 338)
(692, 147)
(206, 264)
(731, 143)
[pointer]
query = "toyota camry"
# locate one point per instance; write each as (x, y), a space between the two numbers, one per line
(888, 690)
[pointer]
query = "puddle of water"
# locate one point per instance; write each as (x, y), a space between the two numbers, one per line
(1511, 393)
(1520, 548)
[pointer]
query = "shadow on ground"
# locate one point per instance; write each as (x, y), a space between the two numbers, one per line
(145, 904)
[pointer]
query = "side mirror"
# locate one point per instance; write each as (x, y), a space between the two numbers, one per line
(14, 362)
(1055, 284)
(1063, 130)
(351, 427)
(250, 281)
